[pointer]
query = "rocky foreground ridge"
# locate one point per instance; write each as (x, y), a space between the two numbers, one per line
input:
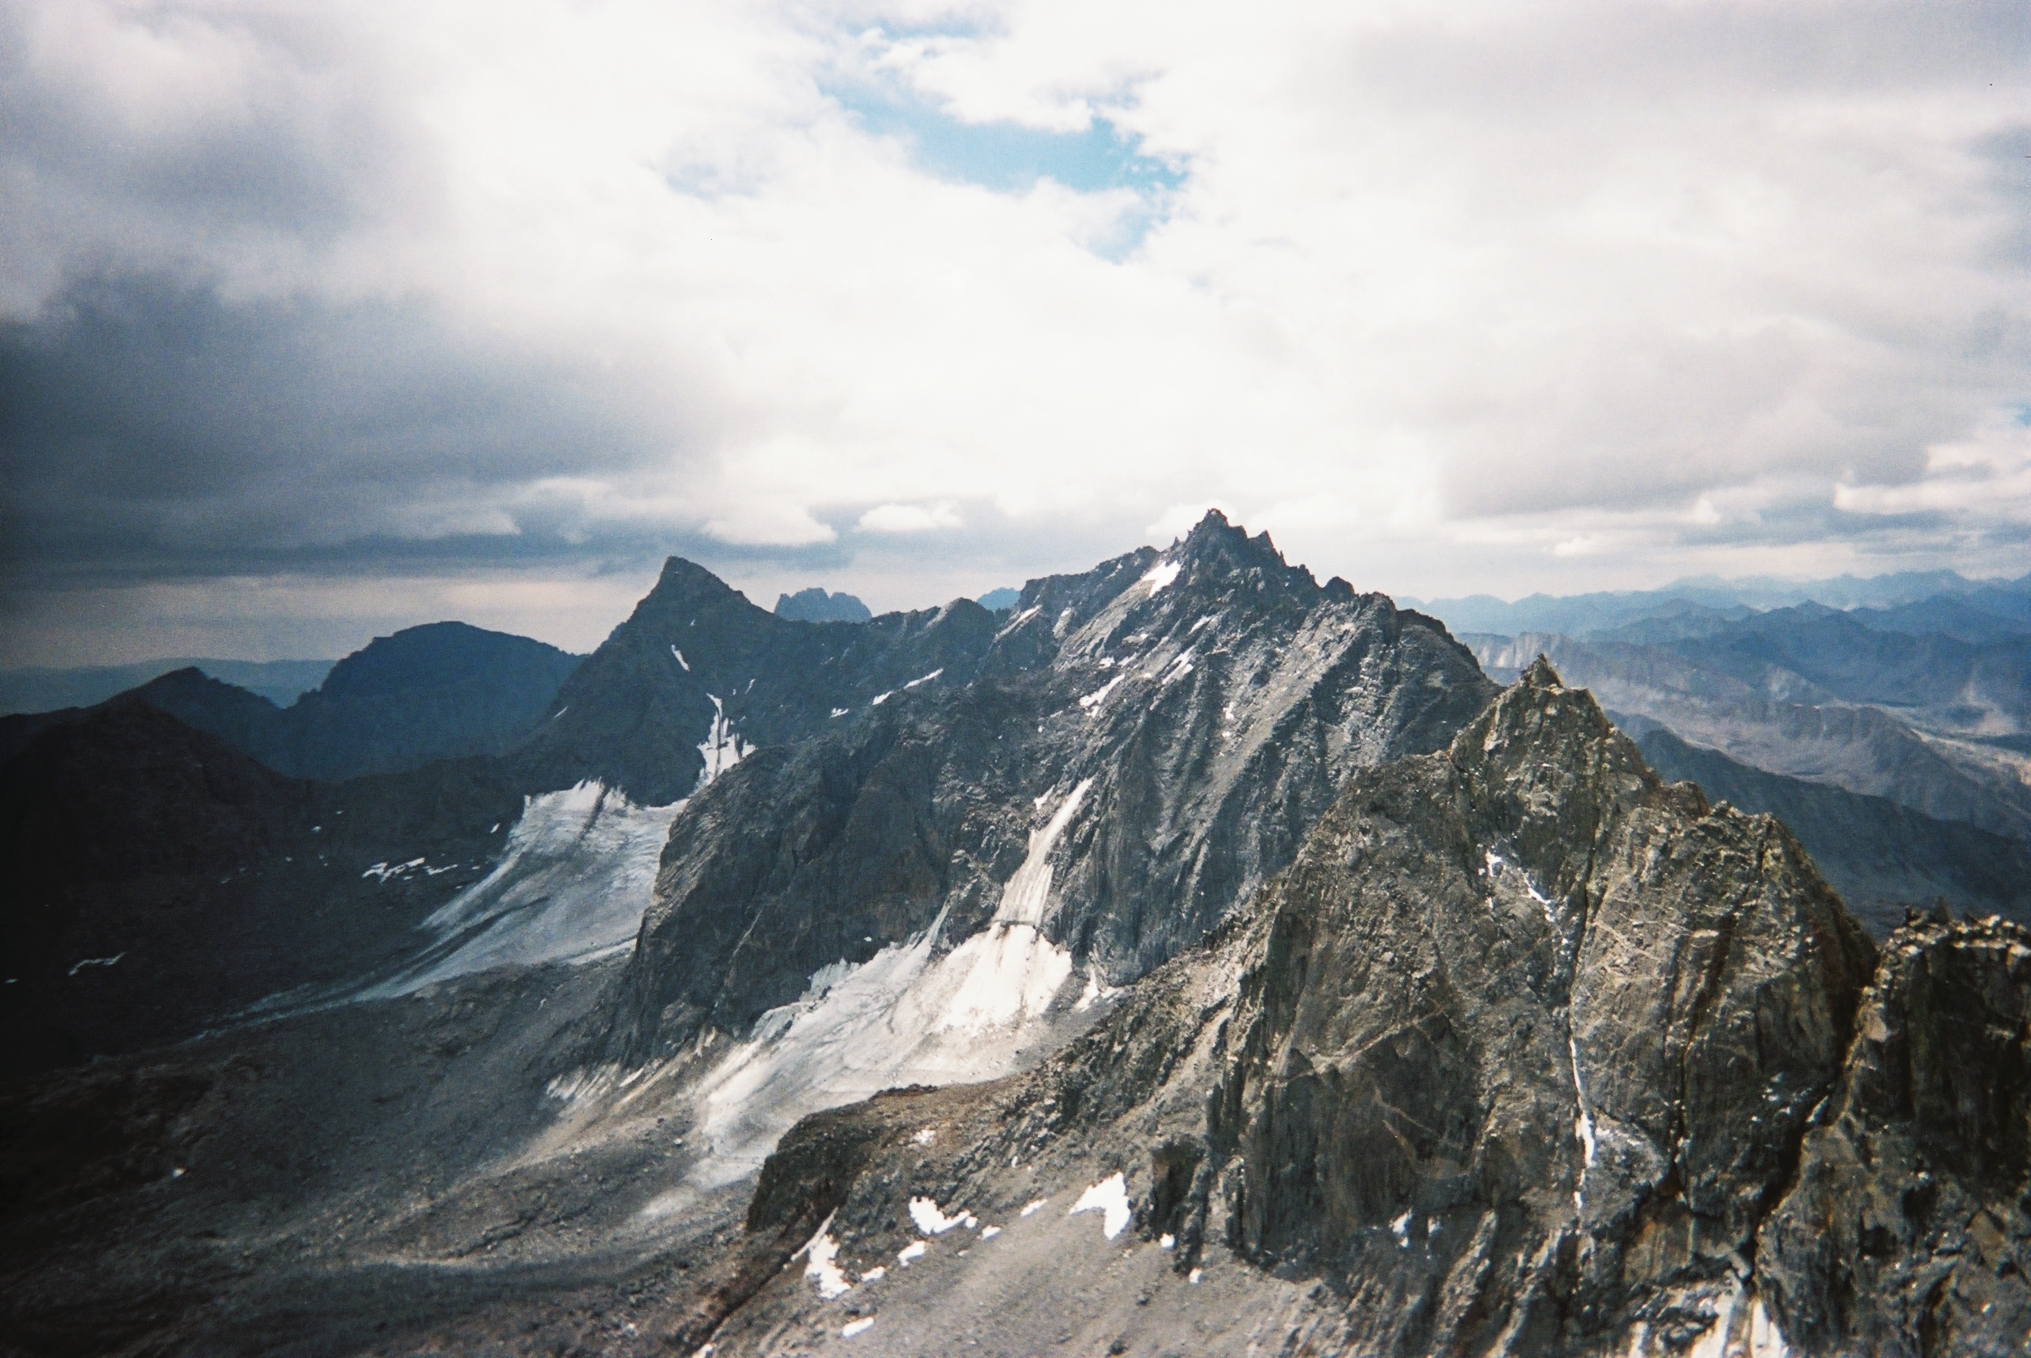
(1526, 1053)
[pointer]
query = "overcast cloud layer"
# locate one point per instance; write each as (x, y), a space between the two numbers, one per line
(321, 319)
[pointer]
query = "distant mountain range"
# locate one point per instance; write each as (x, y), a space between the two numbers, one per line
(1926, 601)
(49, 690)
(441, 691)
(1884, 734)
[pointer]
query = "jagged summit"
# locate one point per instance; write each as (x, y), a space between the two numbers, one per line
(1218, 552)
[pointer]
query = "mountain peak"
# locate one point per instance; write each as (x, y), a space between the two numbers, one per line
(1217, 550)
(815, 605)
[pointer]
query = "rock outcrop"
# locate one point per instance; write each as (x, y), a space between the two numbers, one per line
(1908, 1230)
(1527, 1052)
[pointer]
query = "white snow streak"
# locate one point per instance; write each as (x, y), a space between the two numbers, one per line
(722, 746)
(913, 1250)
(1091, 702)
(1400, 1228)
(385, 872)
(1585, 1121)
(1030, 1208)
(1497, 864)
(1110, 1198)
(823, 1266)
(881, 698)
(854, 1327)
(1160, 575)
(680, 658)
(82, 963)
(926, 679)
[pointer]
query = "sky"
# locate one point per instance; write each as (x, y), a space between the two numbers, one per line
(319, 319)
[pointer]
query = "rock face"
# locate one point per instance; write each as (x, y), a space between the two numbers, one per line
(697, 675)
(1527, 1052)
(1568, 1019)
(1908, 1230)
(1148, 742)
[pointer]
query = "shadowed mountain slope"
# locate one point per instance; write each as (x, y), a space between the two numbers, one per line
(696, 662)
(440, 691)
(161, 879)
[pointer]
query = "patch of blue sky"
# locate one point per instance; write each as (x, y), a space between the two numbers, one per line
(1009, 157)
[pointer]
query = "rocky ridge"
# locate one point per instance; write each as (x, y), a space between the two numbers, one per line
(1526, 1053)
(1152, 738)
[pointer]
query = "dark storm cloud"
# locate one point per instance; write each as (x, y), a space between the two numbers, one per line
(149, 428)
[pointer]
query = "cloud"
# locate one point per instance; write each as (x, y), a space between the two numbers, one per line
(1981, 481)
(894, 518)
(369, 289)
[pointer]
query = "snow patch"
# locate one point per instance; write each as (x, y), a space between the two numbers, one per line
(914, 1250)
(680, 658)
(722, 746)
(907, 1015)
(839, 711)
(822, 1252)
(1167, 1241)
(1033, 1207)
(387, 872)
(874, 1275)
(1583, 1124)
(881, 698)
(925, 1137)
(1497, 865)
(572, 884)
(1400, 1228)
(854, 1327)
(1160, 575)
(1110, 1198)
(931, 1221)
(989, 1232)
(926, 679)
(1099, 695)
